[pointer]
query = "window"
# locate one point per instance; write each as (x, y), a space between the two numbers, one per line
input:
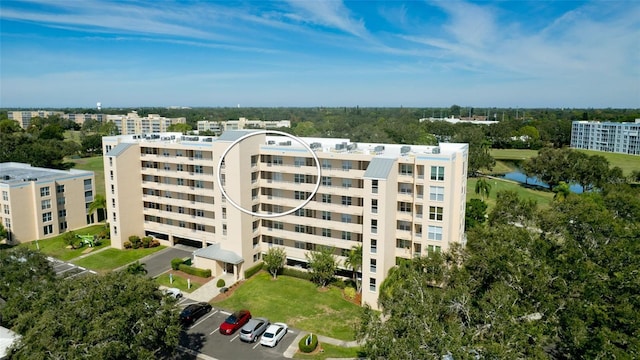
(326, 215)
(180, 181)
(298, 161)
(63, 225)
(299, 228)
(5, 196)
(346, 235)
(60, 189)
(372, 284)
(46, 216)
(346, 200)
(87, 183)
(404, 225)
(180, 210)
(113, 202)
(299, 195)
(374, 206)
(45, 204)
(374, 186)
(277, 160)
(326, 232)
(435, 233)
(326, 164)
(436, 193)
(403, 244)
(110, 161)
(404, 206)
(437, 173)
(48, 229)
(405, 169)
(179, 167)
(62, 213)
(178, 152)
(61, 201)
(326, 198)
(298, 178)
(200, 227)
(346, 218)
(200, 213)
(113, 189)
(299, 212)
(199, 184)
(111, 174)
(299, 245)
(404, 188)
(346, 183)
(433, 248)
(374, 226)
(6, 209)
(198, 169)
(374, 246)
(168, 207)
(44, 191)
(197, 154)
(181, 224)
(278, 225)
(167, 166)
(373, 265)
(435, 213)
(346, 165)
(326, 181)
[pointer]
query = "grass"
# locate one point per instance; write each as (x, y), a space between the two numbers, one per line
(178, 282)
(513, 154)
(112, 259)
(96, 165)
(57, 248)
(331, 352)
(626, 162)
(543, 198)
(298, 303)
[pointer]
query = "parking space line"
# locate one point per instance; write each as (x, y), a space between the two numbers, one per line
(235, 337)
(225, 312)
(216, 330)
(257, 343)
(203, 319)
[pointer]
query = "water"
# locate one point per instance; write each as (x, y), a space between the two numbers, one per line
(520, 177)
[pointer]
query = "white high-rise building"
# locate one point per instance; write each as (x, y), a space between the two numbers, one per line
(623, 138)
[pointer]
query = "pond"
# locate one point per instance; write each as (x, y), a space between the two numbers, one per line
(520, 177)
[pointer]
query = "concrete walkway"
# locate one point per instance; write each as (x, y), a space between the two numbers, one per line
(293, 348)
(209, 290)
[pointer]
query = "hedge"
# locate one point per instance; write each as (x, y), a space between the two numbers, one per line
(305, 275)
(253, 270)
(175, 263)
(302, 345)
(205, 273)
(220, 283)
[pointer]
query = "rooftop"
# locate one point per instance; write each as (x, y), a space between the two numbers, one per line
(12, 173)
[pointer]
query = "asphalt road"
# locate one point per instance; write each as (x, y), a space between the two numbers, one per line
(160, 262)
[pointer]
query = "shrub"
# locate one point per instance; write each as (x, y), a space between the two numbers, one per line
(146, 241)
(127, 244)
(339, 283)
(204, 273)
(135, 241)
(154, 243)
(307, 345)
(175, 263)
(220, 283)
(252, 270)
(296, 273)
(350, 293)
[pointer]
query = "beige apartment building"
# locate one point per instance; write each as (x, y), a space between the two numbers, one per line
(39, 203)
(240, 124)
(397, 201)
(132, 123)
(24, 117)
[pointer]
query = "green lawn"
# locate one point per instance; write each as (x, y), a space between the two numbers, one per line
(178, 282)
(96, 165)
(543, 198)
(626, 162)
(513, 154)
(298, 303)
(111, 259)
(331, 352)
(57, 248)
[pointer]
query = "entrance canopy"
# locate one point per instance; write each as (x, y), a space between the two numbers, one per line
(214, 252)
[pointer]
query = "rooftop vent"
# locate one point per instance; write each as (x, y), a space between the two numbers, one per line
(315, 145)
(271, 142)
(435, 150)
(405, 149)
(285, 143)
(6, 177)
(352, 146)
(341, 146)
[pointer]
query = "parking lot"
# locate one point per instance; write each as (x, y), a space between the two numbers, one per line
(203, 336)
(67, 270)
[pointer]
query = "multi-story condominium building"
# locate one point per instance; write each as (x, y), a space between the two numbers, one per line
(81, 118)
(614, 137)
(397, 201)
(242, 123)
(132, 123)
(38, 203)
(24, 117)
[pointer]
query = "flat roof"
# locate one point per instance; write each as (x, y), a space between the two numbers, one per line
(12, 173)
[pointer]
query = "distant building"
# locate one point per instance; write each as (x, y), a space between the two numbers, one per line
(241, 123)
(478, 120)
(81, 118)
(397, 201)
(38, 203)
(24, 117)
(623, 138)
(132, 123)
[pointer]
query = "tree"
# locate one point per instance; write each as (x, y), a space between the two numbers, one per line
(322, 264)
(475, 213)
(354, 261)
(561, 191)
(70, 239)
(137, 268)
(275, 259)
(112, 316)
(511, 209)
(109, 128)
(183, 128)
(92, 144)
(483, 187)
(99, 203)
(551, 166)
(479, 156)
(3, 232)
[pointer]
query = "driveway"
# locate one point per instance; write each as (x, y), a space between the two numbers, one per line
(160, 262)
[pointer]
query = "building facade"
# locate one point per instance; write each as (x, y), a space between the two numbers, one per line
(24, 117)
(241, 123)
(132, 123)
(396, 201)
(39, 203)
(623, 138)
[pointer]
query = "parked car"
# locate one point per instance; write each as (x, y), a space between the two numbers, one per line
(252, 330)
(193, 312)
(173, 292)
(274, 333)
(234, 322)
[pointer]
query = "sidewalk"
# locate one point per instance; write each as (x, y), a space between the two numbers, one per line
(293, 348)
(209, 290)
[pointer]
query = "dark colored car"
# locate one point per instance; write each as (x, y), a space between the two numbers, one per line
(234, 322)
(193, 312)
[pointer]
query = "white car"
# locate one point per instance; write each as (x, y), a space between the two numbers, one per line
(274, 333)
(173, 292)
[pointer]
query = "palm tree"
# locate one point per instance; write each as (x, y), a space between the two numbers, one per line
(137, 268)
(562, 190)
(99, 203)
(354, 261)
(483, 188)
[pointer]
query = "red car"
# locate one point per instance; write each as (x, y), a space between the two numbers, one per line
(234, 322)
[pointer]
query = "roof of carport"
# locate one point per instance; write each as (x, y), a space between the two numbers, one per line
(214, 252)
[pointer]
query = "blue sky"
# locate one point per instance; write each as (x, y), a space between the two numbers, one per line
(74, 53)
